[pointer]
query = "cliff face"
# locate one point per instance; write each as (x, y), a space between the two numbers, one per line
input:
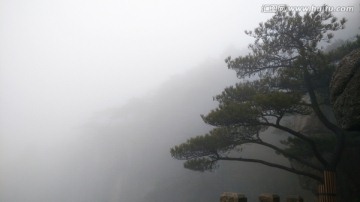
(345, 97)
(345, 91)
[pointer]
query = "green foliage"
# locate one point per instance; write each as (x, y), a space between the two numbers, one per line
(253, 103)
(215, 141)
(285, 39)
(200, 164)
(201, 152)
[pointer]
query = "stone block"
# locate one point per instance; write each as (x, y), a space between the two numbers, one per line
(269, 198)
(232, 197)
(294, 198)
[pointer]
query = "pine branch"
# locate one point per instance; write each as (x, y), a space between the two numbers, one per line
(303, 137)
(274, 165)
(290, 156)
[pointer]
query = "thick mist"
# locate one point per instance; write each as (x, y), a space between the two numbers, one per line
(93, 94)
(122, 154)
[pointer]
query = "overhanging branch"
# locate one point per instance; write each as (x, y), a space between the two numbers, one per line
(282, 167)
(288, 155)
(303, 137)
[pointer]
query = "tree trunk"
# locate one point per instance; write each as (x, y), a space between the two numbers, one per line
(348, 176)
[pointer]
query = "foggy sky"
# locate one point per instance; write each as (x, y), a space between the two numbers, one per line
(69, 69)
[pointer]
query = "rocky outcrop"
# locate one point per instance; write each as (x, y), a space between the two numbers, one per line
(345, 91)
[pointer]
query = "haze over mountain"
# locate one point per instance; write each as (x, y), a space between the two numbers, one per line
(93, 94)
(137, 138)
